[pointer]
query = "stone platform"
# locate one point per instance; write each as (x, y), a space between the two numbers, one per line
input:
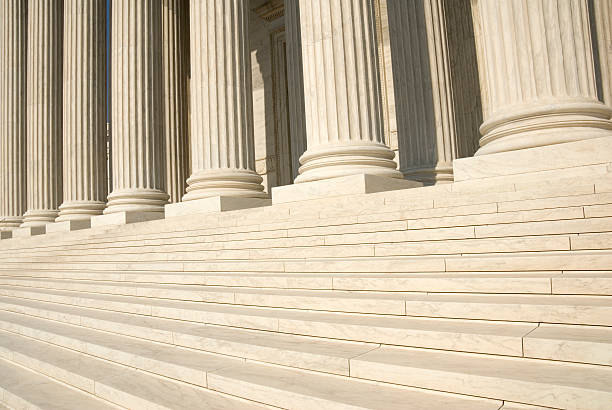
(458, 296)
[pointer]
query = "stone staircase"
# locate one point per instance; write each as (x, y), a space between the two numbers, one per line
(471, 295)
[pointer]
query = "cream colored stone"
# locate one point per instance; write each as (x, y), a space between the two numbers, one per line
(527, 381)
(44, 112)
(28, 231)
(138, 160)
(343, 111)
(125, 217)
(222, 153)
(583, 344)
(84, 114)
(339, 186)
(68, 226)
(13, 72)
(213, 204)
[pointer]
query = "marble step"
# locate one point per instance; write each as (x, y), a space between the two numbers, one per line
(325, 234)
(474, 336)
(586, 344)
(216, 347)
(502, 282)
(21, 388)
(487, 262)
(591, 310)
(544, 282)
(121, 385)
(534, 382)
(275, 386)
(283, 236)
(274, 214)
(555, 342)
(411, 248)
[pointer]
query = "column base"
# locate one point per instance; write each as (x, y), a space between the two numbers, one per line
(26, 232)
(80, 210)
(136, 200)
(544, 125)
(344, 159)
(39, 217)
(214, 204)
(69, 226)
(125, 217)
(226, 183)
(440, 174)
(342, 186)
(559, 158)
(10, 222)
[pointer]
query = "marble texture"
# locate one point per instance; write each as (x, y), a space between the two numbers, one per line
(44, 111)
(222, 153)
(343, 110)
(84, 114)
(13, 55)
(175, 27)
(537, 76)
(138, 148)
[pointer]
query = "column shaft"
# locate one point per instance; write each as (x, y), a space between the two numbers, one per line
(344, 120)
(537, 74)
(137, 108)
(44, 111)
(603, 22)
(174, 19)
(84, 125)
(13, 43)
(222, 147)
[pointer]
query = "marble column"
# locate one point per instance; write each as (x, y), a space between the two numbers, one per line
(44, 111)
(222, 146)
(603, 23)
(84, 125)
(537, 74)
(295, 82)
(344, 119)
(427, 81)
(13, 43)
(137, 108)
(174, 19)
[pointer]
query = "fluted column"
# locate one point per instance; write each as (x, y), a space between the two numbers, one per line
(344, 121)
(137, 108)
(44, 111)
(174, 19)
(537, 74)
(603, 22)
(222, 147)
(84, 143)
(295, 81)
(13, 43)
(430, 88)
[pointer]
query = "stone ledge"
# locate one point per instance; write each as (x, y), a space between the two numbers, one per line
(28, 231)
(68, 226)
(525, 161)
(341, 186)
(125, 217)
(213, 204)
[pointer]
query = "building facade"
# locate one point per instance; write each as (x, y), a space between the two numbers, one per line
(230, 99)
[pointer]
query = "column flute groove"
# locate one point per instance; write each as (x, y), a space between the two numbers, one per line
(537, 74)
(344, 118)
(137, 109)
(84, 130)
(174, 17)
(13, 46)
(44, 111)
(222, 146)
